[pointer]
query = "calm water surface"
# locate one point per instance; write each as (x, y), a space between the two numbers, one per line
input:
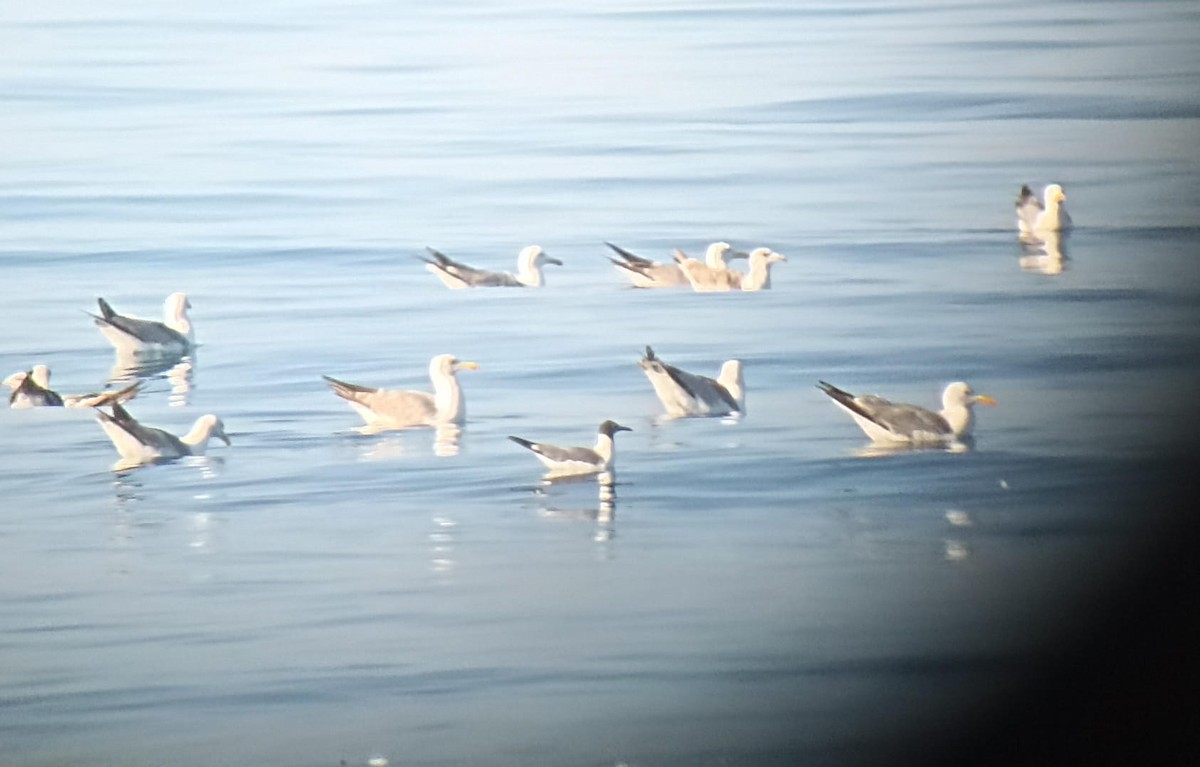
(758, 592)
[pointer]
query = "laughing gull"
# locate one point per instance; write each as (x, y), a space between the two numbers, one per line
(1045, 215)
(32, 389)
(568, 461)
(705, 278)
(458, 275)
(392, 409)
(140, 444)
(132, 335)
(683, 393)
(899, 423)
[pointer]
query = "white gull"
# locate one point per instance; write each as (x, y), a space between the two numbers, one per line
(706, 279)
(1045, 215)
(395, 409)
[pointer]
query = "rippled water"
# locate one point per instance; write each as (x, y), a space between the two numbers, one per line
(758, 592)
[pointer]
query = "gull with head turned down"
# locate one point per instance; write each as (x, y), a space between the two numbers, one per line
(686, 394)
(32, 389)
(140, 444)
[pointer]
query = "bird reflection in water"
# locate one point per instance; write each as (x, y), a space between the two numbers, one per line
(441, 545)
(603, 514)
(963, 444)
(178, 371)
(391, 442)
(1043, 253)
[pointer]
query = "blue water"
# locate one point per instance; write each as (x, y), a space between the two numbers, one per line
(759, 592)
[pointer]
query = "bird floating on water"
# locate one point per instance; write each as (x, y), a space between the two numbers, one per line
(570, 461)
(645, 273)
(706, 279)
(132, 335)
(457, 275)
(140, 444)
(1045, 215)
(890, 422)
(684, 394)
(395, 409)
(32, 389)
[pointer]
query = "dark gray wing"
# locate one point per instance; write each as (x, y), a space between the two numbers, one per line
(146, 331)
(348, 390)
(631, 258)
(469, 274)
(1029, 207)
(166, 442)
(697, 387)
(560, 454)
(897, 418)
(34, 395)
(900, 418)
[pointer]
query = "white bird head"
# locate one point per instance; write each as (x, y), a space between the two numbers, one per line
(1054, 194)
(448, 365)
(714, 256)
(532, 256)
(960, 394)
(213, 427)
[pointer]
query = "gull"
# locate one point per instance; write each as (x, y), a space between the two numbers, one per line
(457, 275)
(899, 423)
(705, 279)
(392, 409)
(568, 461)
(683, 393)
(1045, 215)
(32, 389)
(645, 273)
(140, 444)
(137, 336)
(712, 273)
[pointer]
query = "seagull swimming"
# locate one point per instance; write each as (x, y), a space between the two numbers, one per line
(568, 461)
(706, 279)
(132, 335)
(683, 393)
(140, 444)
(899, 423)
(458, 275)
(392, 409)
(32, 389)
(645, 273)
(1045, 215)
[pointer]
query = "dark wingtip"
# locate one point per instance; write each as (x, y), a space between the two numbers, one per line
(649, 353)
(522, 442)
(106, 311)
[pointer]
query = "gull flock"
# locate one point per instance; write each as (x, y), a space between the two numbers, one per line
(682, 394)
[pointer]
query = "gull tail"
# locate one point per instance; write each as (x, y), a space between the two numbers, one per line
(523, 442)
(347, 390)
(106, 311)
